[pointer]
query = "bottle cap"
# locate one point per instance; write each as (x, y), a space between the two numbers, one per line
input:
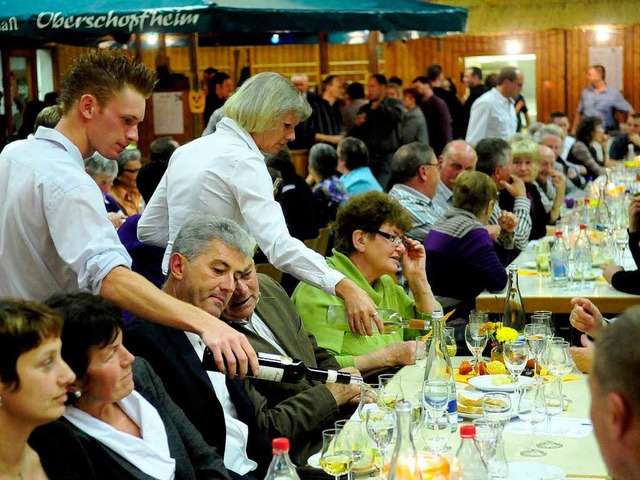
(468, 431)
(281, 444)
(558, 234)
(583, 226)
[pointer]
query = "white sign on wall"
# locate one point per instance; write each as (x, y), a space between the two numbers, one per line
(168, 113)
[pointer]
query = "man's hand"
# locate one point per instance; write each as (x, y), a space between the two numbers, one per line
(609, 270)
(583, 356)
(516, 188)
(345, 393)
(634, 214)
(558, 182)
(230, 346)
(508, 221)
(400, 353)
(360, 308)
(494, 231)
(585, 316)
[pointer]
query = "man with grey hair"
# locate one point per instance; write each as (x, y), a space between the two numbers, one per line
(224, 174)
(494, 114)
(208, 257)
(551, 136)
(510, 230)
(615, 395)
(104, 171)
(457, 156)
(415, 177)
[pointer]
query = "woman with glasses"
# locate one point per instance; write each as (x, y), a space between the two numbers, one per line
(462, 259)
(124, 189)
(369, 246)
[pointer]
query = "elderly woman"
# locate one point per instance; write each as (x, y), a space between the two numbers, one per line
(590, 131)
(327, 188)
(104, 171)
(33, 388)
(370, 243)
(526, 165)
(353, 164)
(124, 189)
(224, 174)
(120, 414)
(462, 261)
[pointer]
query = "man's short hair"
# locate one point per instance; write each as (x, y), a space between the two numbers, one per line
(219, 78)
(196, 235)
(617, 358)
(408, 159)
(395, 79)
(210, 70)
(476, 72)
(48, 117)
(97, 164)
(600, 69)
(555, 115)
(327, 81)
(472, 192)
(161, 149)
(303, 76)
(381, 79)
(433, 72)
(355, 90)
(104, 73)
(550, 129)
(508, 73)
(421, 79)
(263, 101)
(492, 153)
(353, 152)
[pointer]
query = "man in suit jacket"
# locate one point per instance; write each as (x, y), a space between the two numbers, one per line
(262, 310)
(209, 255)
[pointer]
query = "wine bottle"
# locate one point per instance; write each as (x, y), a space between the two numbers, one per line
(279, 368)
(513, 316)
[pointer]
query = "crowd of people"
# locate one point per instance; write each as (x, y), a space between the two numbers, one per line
(120, 274)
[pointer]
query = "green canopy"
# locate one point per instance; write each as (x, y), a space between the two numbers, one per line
(73, 21)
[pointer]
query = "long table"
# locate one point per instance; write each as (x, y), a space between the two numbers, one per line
(539, 293)
(579, 457)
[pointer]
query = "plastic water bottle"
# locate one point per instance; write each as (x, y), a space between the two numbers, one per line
(281, 467)
(559, 260)
(468, 463)
(582, 255)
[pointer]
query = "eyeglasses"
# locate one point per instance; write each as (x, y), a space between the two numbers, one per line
(430, 165)
(131, 170)
(392, 238)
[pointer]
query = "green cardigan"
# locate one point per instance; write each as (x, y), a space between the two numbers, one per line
(313, 304)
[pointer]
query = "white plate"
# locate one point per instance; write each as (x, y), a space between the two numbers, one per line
(476, 394)
(485, 383)
(535, 471)
(592, 275)
(314, 461)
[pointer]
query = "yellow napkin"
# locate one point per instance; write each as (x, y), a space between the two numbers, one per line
(544, 374)
(461, 378)
(527, 272)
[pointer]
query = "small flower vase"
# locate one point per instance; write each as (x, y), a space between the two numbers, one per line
(497, 353)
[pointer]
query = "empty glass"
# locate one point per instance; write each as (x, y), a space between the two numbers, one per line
(515, 358)
(476, 340)
(555, 405)
(535, 335)
(435, 397)
(381, 424)
(532, 408)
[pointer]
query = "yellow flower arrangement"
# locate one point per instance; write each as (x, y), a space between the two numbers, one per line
(498, 333)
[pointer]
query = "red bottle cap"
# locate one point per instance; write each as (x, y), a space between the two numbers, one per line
(583, 226)
(282, 444)
(558, 234)
(468, 431)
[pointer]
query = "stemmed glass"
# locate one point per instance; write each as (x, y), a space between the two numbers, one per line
(545, 317)
(535, 335)
(515, 358)
(381, 425)
(555, 405)
(557, 359)
(476, 342)
(336, 456)
(435, 397)
(621, 239)
(357, 441)
(390, 390)
(532, 408)
(496, 407)
(450, 341)
(489, 443)
(368, 394)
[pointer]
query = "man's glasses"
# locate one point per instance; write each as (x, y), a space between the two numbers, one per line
(392, 238)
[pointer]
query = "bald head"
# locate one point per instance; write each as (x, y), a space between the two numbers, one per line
(456, 157)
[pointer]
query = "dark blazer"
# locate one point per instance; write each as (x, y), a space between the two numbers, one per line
(60, 444)
(175, 361)
(298, 411)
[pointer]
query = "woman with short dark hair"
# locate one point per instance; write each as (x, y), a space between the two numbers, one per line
(327, 189)
(590, 131)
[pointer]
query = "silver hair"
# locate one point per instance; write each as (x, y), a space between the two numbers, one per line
(550, 129)
(262, 102)
(196, 234)
(299, 75)
(534, 127)
(128, 155)
(323, 158)
(98, 165)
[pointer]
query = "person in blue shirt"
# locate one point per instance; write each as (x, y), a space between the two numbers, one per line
(353, 163)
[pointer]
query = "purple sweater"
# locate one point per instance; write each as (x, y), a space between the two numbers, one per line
(461, 259)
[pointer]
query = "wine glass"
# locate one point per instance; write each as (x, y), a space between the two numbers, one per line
(476, 341)
(368, 395)
(622, 239)
(555, 405)
(450, 341)
(335, 456)
(357, 441)
(557, 359)
(417, 412)
(421, 351)
(535, 335)
(496, 407)
(435, 398)
(380, 423)
(532, 408)
(489, 443)
(515, 358)
(390, 390)
(545, 317)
